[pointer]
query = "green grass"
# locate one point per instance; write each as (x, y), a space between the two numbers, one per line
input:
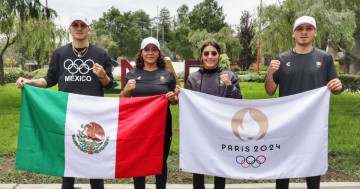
(344, 123)
(344, 136)
(9, 117)
(254, 91)
(344, 133)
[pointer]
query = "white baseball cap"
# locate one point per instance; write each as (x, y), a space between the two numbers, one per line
(304, 20)
(79, 16)
(149, 40)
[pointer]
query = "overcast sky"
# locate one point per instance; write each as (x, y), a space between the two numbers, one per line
(95, 8)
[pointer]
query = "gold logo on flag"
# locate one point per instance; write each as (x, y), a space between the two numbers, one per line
(249, 124)
(91, 139)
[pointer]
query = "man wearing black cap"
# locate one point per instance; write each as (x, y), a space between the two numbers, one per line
(78, 67)
(301, 69)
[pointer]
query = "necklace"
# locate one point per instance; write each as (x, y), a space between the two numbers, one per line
(81, 53)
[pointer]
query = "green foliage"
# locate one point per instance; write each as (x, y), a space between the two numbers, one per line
(197, 39)
(245, 35)
(39, 73)
(228, 43)
(277, 21)
(231, 45)
(44, 32)
(12, 74)
(180, 43)
(224, 61)
(183, 17)
(10, 62)
(180, 76)
(207, 15)
(164, 24)
(106, 42)
(351, 82)
(178, 36)
(13, 15)
(251, 78)
(337, 67)
(143, 22)
(125, 29)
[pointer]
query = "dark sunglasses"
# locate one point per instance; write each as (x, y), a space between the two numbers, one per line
(77, 25)
(213, 53)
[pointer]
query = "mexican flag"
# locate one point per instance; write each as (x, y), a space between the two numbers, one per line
(72, 135)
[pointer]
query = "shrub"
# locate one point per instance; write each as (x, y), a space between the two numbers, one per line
(351, 83)
(224, 61)
(12, 74)
(337, 67)
(251, 78)
(39, 73)
(180, 76)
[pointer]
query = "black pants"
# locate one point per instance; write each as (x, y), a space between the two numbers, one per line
(311, 182)
(199, 182)
(68, 183)
(161, 179)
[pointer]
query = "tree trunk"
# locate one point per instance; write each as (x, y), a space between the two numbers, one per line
(2, 75)
(2, 65)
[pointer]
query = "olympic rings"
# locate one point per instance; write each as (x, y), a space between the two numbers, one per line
(250, 161)
(78, 65)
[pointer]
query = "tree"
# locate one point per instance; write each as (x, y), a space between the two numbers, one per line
(106, 42)
(123, 29)
(245, 35)
(351, 56)
(44, 32)
(228, 43)
(179, 36)
(208, 16)
(12, 16)
(143, 22)
(165, 24)
(334, 24)
(231, 47)
(183, 17)
(12, 53)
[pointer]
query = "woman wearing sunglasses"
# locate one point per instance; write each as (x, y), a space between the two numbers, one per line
(213, 80)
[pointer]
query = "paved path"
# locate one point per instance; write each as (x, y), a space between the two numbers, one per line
(324, 185)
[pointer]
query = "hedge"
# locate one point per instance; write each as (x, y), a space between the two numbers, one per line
(350, 82)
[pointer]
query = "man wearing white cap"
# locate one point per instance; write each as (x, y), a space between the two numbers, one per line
(301, 69)
(78, 67)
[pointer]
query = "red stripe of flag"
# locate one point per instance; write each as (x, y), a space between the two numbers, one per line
(140, 137)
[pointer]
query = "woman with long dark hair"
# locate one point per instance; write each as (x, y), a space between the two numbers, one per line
(213, 80)
(150, 77)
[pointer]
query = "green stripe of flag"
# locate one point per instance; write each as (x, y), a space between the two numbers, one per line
(33, 152)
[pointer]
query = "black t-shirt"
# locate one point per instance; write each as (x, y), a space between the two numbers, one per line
(302, 72)
(75, 75)
(149, 83)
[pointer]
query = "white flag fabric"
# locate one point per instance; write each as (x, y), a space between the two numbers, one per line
(275, 138)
